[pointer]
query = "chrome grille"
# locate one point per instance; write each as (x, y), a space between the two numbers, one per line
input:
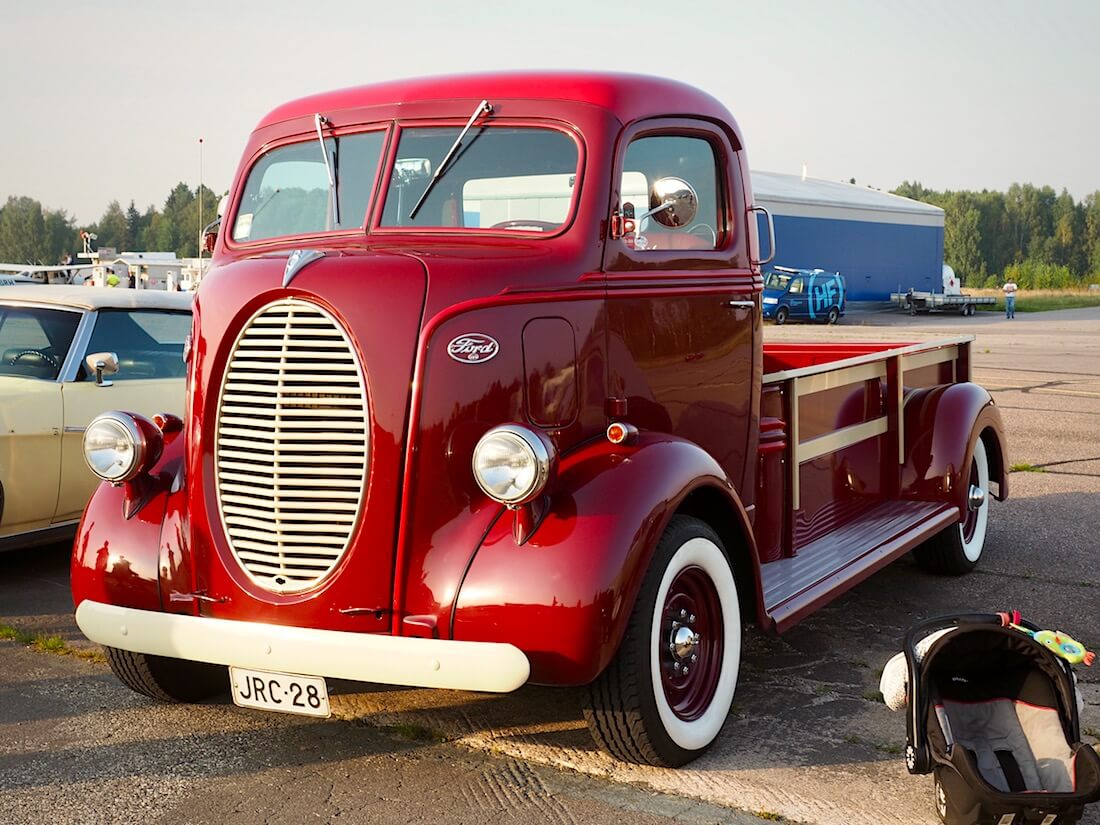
(291, 446)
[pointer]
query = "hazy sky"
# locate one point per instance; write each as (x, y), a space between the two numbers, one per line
(107, 100)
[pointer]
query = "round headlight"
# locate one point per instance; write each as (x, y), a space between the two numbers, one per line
(512, 464)
(114, 447)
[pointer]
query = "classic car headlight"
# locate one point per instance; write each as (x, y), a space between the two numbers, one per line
(771, 300)
(512, 464)
(115, 447)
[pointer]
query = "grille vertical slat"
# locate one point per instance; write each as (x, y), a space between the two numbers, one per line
(291, 440)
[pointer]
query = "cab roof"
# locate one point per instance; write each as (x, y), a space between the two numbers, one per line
(628, 97)
(96, 297)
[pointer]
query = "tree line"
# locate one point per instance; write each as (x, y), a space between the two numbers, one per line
(1033, 235)
(32, 234)
(1040, 239)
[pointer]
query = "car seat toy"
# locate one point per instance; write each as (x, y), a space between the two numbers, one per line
(1059, 642)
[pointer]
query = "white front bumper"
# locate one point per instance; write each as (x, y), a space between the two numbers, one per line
(361, 657)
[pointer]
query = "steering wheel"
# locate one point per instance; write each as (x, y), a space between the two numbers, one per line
(704, 231)
(541, 226)
(37, 353)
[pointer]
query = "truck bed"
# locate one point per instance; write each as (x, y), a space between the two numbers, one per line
(832, 415)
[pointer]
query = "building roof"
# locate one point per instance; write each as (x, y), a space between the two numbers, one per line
(792, 196)
(97, 297)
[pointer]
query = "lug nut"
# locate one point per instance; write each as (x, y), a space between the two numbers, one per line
(683, 613)
(691, 619)
(694, 658)
(685, 670)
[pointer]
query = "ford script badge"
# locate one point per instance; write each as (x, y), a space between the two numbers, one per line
(472, 348)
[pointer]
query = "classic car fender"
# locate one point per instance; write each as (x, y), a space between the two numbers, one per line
(117, 552)
(941, 426)
(564, 596)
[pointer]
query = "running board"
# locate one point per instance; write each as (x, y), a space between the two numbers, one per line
(825, 568)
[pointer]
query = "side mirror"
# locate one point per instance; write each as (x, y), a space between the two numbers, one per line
(406, 170)
(100, 364)
(223, 204)
(673, 202)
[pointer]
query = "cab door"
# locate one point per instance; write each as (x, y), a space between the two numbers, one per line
(150, 379)
(682, 301)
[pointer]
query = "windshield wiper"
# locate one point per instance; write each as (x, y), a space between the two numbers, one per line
(320, 120)
(484, 107)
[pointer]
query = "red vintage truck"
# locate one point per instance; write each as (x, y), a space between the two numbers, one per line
(478, 396)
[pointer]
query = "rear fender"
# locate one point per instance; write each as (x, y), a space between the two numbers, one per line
(117, 557)
(565, 596)
(942, 425)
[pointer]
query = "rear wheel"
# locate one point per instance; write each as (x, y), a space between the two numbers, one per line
(958, 548)
(781, 315)
(664, 697)
(833, 316)
(169, 680)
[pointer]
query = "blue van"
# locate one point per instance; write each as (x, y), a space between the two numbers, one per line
(811, 294)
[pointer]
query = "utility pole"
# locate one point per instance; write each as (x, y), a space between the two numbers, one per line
(200, 205)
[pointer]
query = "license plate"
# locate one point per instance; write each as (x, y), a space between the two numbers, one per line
(281, 692)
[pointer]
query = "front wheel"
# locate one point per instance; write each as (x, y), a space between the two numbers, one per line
(833, 316)
(166, 679)
(664, 697)
(781, 315)
(958, 548)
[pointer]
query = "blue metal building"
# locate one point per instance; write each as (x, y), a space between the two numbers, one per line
(880, 243)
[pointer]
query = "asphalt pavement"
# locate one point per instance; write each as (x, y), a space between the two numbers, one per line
(808, 739)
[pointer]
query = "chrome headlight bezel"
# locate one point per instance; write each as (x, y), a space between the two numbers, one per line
(126, 428)
(532, 445)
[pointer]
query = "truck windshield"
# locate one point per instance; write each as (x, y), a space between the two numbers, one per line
(504, 177)
(777, 281)
(287, 191)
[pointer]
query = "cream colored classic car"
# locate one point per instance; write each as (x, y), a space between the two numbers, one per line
(67, 354)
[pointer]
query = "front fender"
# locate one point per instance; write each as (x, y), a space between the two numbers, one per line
(565, 596)
(941, 427)
(116, 554)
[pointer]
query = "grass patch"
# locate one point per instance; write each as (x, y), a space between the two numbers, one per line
(1040, 300)
(413, 732)
(874, 696)
(48, 644)
(1026, 468)
(1093, 732)
(770, 816)
(891, 749)
(852, 739)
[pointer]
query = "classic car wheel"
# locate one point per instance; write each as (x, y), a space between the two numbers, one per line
(781, 315)
(664, 697)
(169, 680)
(833, 316)
(958, 549)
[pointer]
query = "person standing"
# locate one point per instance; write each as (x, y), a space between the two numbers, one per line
(1010, 298)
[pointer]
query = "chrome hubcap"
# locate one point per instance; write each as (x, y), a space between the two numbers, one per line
(976, 497)
(683, 642)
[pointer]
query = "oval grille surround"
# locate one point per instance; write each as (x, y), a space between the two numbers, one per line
(291, 446)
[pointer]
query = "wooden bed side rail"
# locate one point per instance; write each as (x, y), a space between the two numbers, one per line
(889, 366)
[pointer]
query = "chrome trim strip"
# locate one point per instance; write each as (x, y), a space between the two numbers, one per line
(81, 338)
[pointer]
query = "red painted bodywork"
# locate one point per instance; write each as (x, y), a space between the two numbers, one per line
(590, 331)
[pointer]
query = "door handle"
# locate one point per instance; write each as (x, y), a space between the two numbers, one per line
(741, 304)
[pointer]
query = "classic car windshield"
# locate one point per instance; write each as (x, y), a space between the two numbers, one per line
(503, 177)
(35, 341)
(287, 192)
